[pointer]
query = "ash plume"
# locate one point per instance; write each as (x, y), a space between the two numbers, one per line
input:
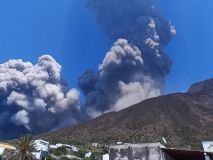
(34, 99)
(136, 66)
(141, 23)
(119, 82)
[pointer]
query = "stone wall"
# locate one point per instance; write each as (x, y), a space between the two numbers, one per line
(151, 151)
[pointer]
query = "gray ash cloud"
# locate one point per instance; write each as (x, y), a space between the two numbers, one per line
(119, 82)
(141, 23)
(34, 98)
(124, 79)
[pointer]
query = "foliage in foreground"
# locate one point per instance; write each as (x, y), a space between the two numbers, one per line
(24, 148)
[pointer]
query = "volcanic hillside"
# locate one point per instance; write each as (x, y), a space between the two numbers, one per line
(182, 118)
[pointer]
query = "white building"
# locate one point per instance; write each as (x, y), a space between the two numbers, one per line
(41, 148)
(105, 157)
(119, 143)
(73, 148)
(41, 145)
(156, 151)
(40, 155)
(207, 146)
(2, 151)
(95, 144)
(88, 155)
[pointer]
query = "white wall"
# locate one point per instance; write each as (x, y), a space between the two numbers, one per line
(1, 151)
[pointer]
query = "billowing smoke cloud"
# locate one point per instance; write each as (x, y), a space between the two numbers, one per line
(34, 98)
(120, 81)
(139, 22)
(135, 67)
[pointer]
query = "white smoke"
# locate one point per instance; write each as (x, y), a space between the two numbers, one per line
(21, 118)
(135, 92)
(27, 91)
(18, 99)
(40, 104)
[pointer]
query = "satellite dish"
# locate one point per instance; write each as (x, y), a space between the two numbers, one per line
(164, 140)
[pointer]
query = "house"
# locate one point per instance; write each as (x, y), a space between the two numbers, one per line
(52, 146)
(119, 143)
(2, 151)
(156, 151)
(207, 146)
(104, 157)
(40, 155)
(73, 148)
(41, 149)
(41, 145)
(88, 155)
(147, 151)
(95, 145)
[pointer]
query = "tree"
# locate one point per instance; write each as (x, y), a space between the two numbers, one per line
(81, 153)
(24, 148)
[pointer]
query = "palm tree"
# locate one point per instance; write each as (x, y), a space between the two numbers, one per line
(24, 148)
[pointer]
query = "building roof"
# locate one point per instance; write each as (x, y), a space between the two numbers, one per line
(126, 145)
(208, 146)
(40, 140)
(178, 154)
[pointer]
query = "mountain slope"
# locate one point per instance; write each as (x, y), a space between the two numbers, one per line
(182, 118)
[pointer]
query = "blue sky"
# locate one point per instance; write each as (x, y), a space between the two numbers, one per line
(67, 30)
(191, 50)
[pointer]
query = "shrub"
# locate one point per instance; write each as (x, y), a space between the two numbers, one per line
(81, 153)
(65, 158)
(60, 151)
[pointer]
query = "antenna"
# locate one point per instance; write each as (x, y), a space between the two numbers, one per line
(164, 140)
